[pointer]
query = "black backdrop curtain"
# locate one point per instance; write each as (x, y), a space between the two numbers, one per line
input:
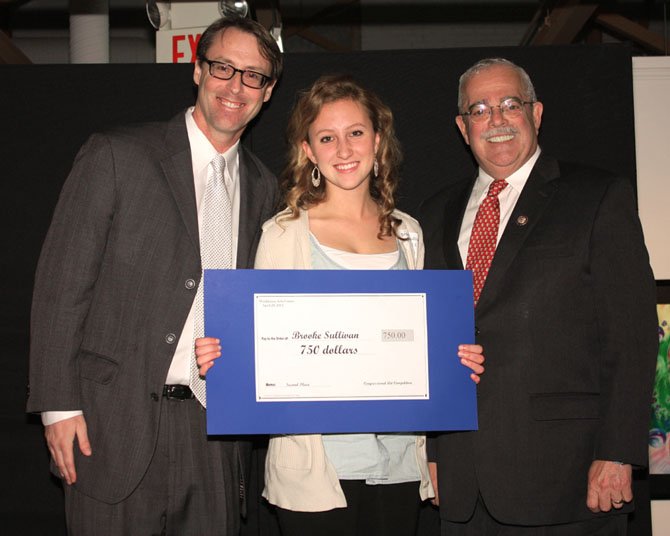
(48, 111)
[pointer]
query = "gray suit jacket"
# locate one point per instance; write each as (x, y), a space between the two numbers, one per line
(568, 323)
(114, 286)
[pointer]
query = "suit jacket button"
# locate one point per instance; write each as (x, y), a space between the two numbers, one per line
(154, 397)
(170, 338)
(189, 284)
(477, 330)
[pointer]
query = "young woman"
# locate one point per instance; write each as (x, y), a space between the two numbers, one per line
(339, 189)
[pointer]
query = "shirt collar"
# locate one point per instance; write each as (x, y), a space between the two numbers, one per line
(203, 152)
(516, 180)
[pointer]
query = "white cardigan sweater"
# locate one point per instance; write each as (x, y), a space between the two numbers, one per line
(298, 475)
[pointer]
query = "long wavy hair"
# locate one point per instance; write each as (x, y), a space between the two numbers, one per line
(299, 193)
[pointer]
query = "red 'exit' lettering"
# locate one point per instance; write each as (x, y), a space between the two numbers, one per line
(178, 42)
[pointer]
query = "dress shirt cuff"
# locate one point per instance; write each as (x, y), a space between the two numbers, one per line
(52, 417)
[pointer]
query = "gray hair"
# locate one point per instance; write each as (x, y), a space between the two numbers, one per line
(526, 84)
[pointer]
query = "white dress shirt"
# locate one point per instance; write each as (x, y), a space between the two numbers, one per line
(508, 198)
(202, 153)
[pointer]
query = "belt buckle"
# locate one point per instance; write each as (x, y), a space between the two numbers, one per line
(177, 392)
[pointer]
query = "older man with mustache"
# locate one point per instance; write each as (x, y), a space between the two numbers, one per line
(565, 307)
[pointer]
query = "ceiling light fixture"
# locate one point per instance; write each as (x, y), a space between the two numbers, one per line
(233, 8)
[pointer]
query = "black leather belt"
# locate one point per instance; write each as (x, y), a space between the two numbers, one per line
(178, 392)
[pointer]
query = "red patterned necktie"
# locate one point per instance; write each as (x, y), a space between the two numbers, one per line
(484, 236)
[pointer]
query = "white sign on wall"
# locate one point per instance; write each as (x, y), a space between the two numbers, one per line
(177, 46)
(651, 87)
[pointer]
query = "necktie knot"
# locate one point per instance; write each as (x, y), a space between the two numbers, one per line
(496, 187)
(219, 164)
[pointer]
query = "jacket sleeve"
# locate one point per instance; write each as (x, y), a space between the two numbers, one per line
(421, 250)
(66, 275)
(263, 253)
(413, 244)
(625, 298)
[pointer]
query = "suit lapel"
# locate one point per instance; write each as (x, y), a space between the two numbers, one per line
(251, 207)
(178, 168)
(534, 198)
(454, 210)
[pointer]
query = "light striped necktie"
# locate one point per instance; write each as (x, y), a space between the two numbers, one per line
(216, 248)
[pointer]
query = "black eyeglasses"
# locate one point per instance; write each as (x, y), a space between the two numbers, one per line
(225, 71)
(510, 108)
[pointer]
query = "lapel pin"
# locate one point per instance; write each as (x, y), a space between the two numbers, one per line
(522, 220)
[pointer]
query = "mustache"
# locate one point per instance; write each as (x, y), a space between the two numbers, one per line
(498, 131)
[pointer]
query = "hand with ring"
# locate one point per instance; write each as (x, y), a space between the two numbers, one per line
(609, 486)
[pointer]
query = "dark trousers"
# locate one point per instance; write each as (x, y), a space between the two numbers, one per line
(483, 524)
(382, 510)
(191, 486)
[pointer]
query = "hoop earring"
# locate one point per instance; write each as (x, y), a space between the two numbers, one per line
(316, 176)
(375, 168)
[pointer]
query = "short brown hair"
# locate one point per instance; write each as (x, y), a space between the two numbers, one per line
(266, 43)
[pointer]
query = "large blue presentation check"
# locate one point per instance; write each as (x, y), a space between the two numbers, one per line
(339, 351)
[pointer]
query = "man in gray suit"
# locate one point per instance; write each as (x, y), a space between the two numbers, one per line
(113, 308)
